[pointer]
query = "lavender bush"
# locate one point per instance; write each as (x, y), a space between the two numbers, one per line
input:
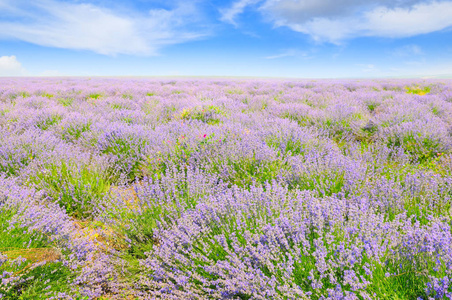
(225, 189)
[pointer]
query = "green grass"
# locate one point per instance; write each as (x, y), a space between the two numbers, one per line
(94, 96)
(73, 132)
(78, 188)
(118, 106)
(22, 94)
(402, 278)
(235, 92)
(323, 183)
(417, 90)
(420, 147)
(207, 114)
(38, 281)
(13, 163)
(286, 146)
(65, 101)
(46, 95)
(302, 120)
(49, 121)
(247, 171)
(126, 149)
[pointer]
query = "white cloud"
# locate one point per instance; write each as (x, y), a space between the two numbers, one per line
(336, 20)
(228, 15)
(380, 21)
(398, 22)
(10, 66)
(84, 26)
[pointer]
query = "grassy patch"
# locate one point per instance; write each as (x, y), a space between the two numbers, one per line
(420, 147)
(94, 96)
(417, 90)
(77, 187)
(31, 268)
(73, 132)
(127, 150)
(48, 121)
(65, 101)
(208, 114)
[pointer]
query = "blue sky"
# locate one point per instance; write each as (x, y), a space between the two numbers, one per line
(258, 38)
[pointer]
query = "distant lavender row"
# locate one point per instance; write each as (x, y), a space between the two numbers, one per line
(239, 189)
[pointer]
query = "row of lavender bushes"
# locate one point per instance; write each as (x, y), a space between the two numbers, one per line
(215, 189)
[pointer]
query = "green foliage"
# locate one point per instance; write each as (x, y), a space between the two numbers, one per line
(16, 237)
(22, 94)
(12, 162)
(137, 214)
(417, 90)
(127, 120)
(302, 120)
(402, 278)
(157, 165)
(207, 114)
(118, 106)
(78, 188)
(167, 113)
(372, 106)
(94, 96)
(435, 111)
(326, 183)
(65, 101)
(127, 150)
(48, 121)
(73, 132)
(4, 112)
(46, 95)
(287, 146)
(245, 172)
(235, 92)
(420, 147)
(39, 279)
(136, 221)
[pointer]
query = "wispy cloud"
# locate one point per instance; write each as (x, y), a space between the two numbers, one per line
(381, 21)
(10, 66)
(84, 26)
(335, 21)
(290, 53)
(229, 14)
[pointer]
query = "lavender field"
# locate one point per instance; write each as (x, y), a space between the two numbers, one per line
(225, 189)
